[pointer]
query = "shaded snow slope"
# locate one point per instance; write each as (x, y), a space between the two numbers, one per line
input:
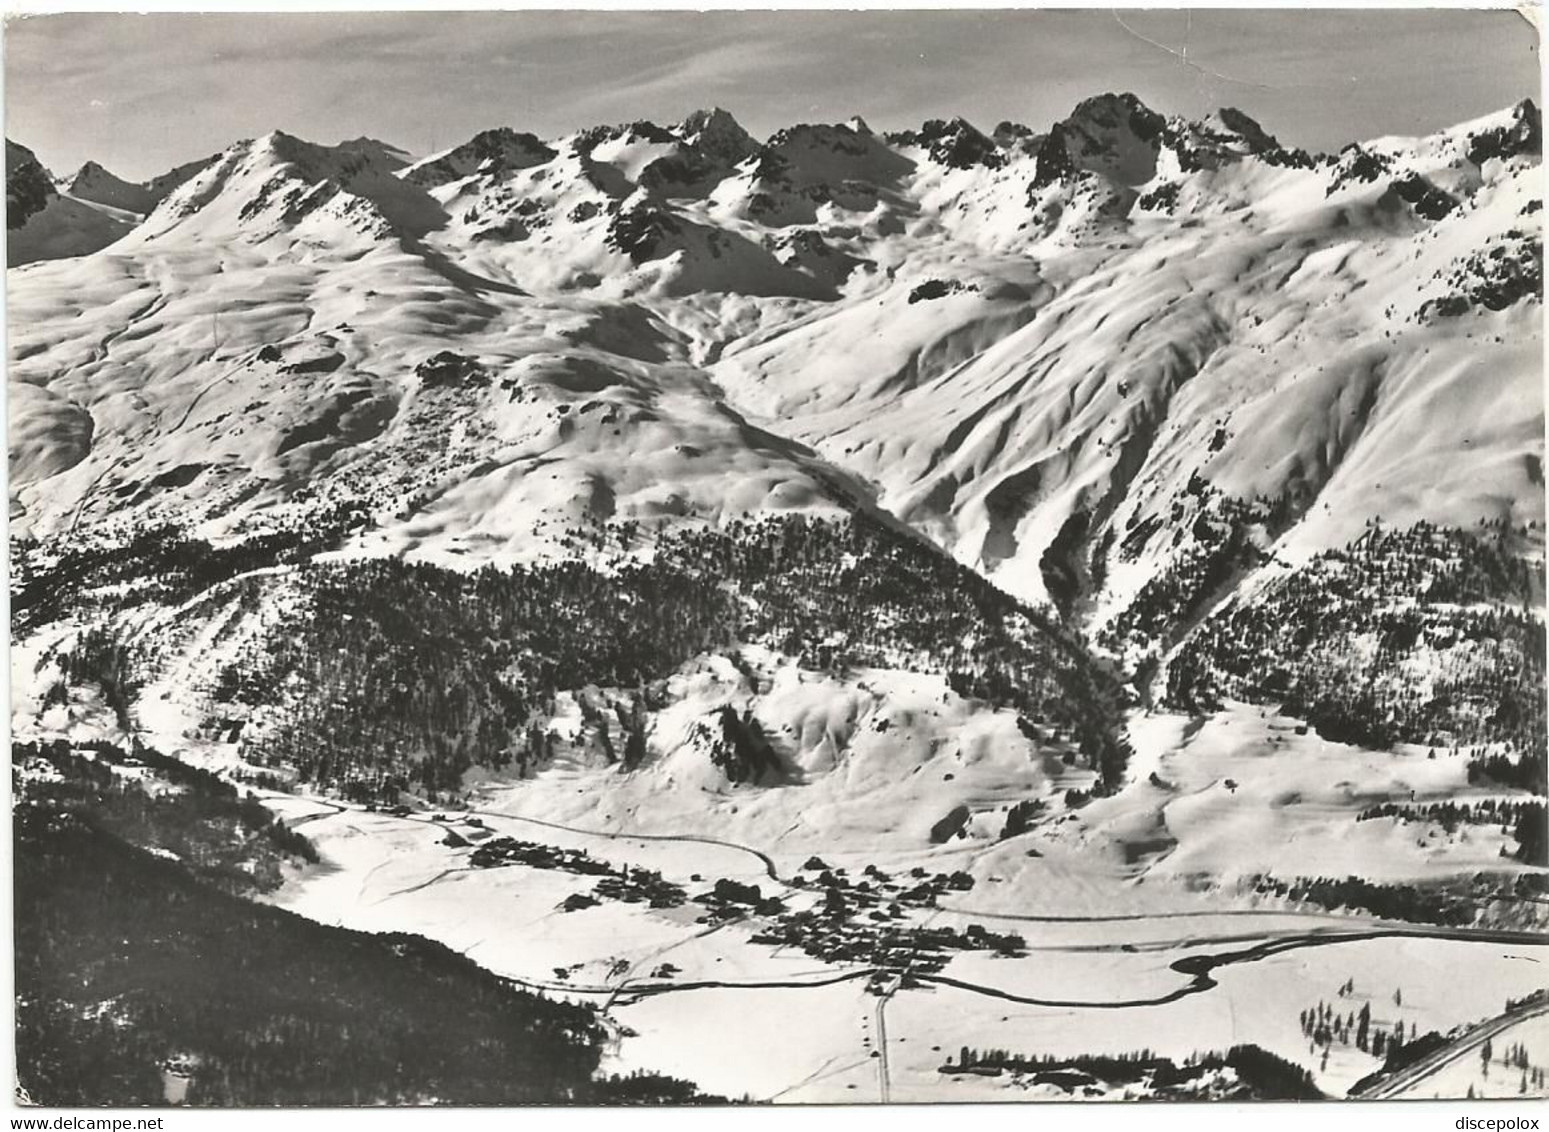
(91, 182)
(42, 223)
(1263, 326)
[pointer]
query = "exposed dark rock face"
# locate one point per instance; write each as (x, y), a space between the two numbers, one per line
(638, 231)
(1115, 135)
(677, 170)
(1054, 163)
(1428, 202)
(499, 146)
(1163, 198)
(27, 185)
(493, 153)
(950, 826)
(717, 137)
(1061, 562)
(589, 139)
(1495, 277)
(1358, 164)
(324, 363)
(953, 142)
(1524, 134)
(937, 289)
(1110, 112)
(742, 750)
(1258, 139)
(451, 369)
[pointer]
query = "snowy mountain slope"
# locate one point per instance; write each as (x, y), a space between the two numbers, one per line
(490, 152)
(96, 185)
(1133, 368)
(1175, 346)
(42, 223)
(91, 182)
(163, 183)
(961, 583)
(278, 185)
(65, 227)
(344, 398)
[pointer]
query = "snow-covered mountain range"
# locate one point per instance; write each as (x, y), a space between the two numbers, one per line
(971, 575)
(1143, 374)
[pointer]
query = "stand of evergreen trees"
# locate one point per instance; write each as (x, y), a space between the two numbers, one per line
(1525, 821)
(221, 837)
(1454, 602)
(1454, 903)
(160, 564)
(389, 676)
(1262, 1075)
(143, 980)
(1217, 547)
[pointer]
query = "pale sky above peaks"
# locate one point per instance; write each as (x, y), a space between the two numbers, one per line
(141, 93)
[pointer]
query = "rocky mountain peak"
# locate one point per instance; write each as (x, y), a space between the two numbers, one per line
(1015, 138)
(1053, 158)
(957, 143)
(495, 152)
(28, 186)
(377, 148)
(93, 182)
(1114, 135)
(1521, 133)
(585, 141)
(1246, 128)
(717, 136)
(1109, 113)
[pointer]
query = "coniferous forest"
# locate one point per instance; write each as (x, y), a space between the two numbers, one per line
(1257, 1074)
(143, 978)
(389, 676)
(1107, 548)
(1339, 642)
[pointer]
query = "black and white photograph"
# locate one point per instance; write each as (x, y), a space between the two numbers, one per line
(799, 557)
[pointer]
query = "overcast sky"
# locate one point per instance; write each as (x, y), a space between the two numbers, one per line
(143, 93)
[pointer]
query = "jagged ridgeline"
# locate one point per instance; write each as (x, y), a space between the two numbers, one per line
(373, 676)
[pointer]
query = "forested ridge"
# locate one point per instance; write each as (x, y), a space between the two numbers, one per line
(1456, 902)
(68, 576)
(390, 676)
(1422, 635)
(220, 835)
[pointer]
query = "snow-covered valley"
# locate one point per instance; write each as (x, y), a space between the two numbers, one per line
(710, 1000)
(918, 616)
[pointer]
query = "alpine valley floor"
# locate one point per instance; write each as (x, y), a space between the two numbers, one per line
(927, 615)
(1104, 911)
